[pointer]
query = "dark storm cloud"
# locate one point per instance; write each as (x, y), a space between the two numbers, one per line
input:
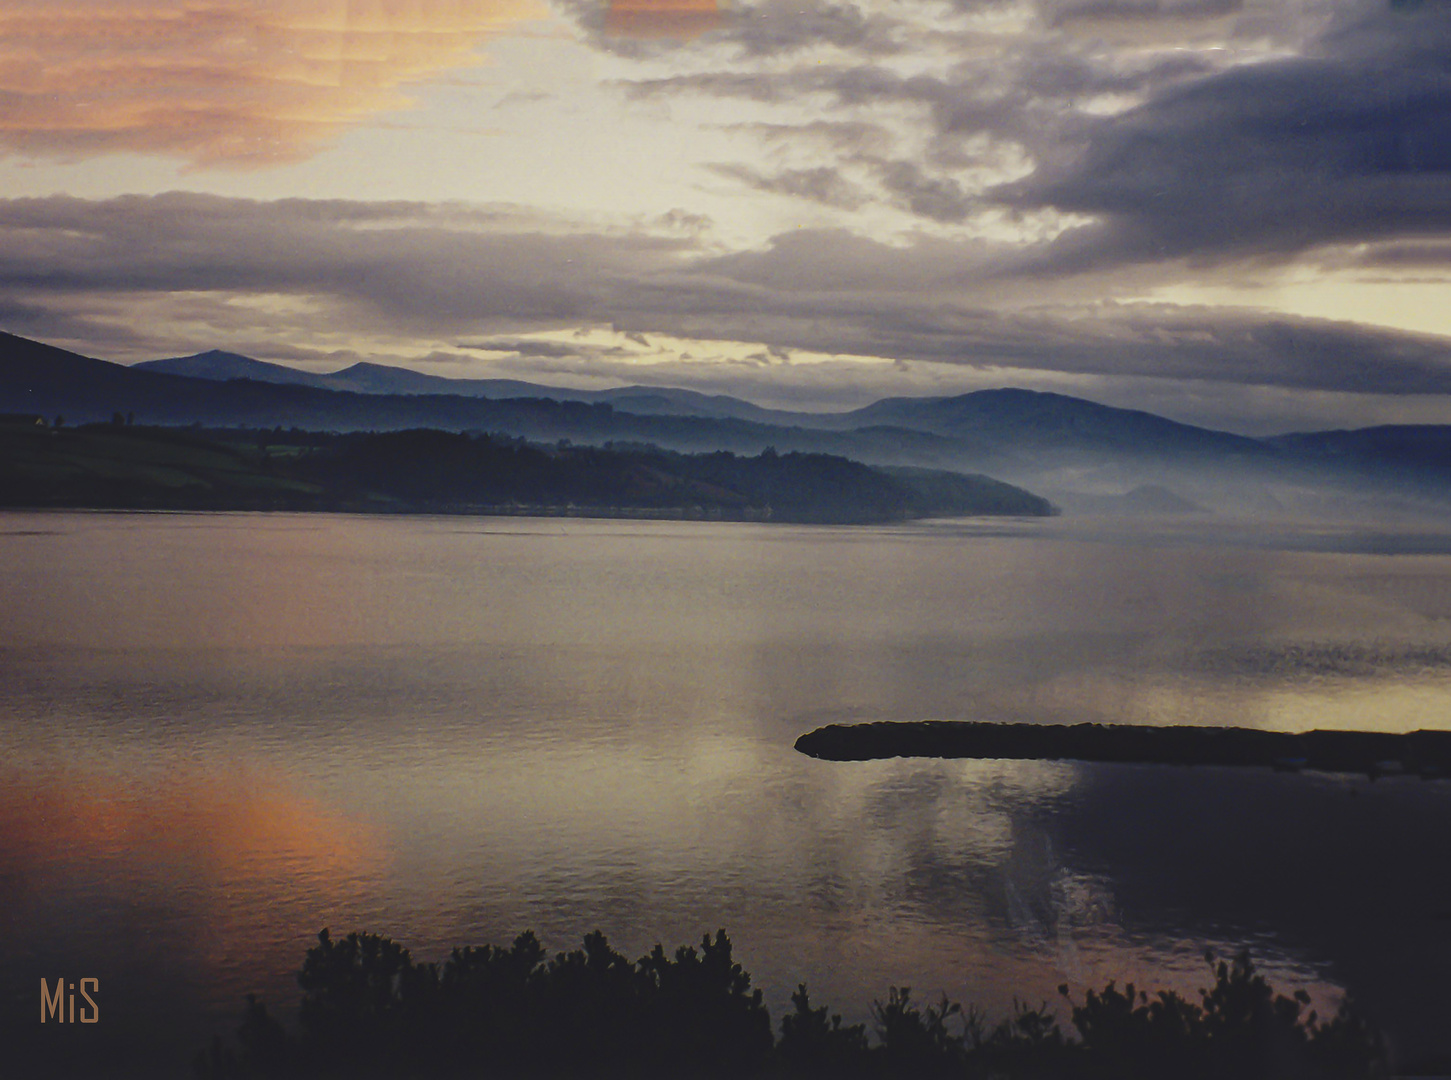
(1349, 144)
(1009, 84)
(1341, 136)
(298, 269)
(973, 116)
(1022, 96)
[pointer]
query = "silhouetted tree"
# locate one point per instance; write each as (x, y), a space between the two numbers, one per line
(703, 1016)
(917, 1041)
(369, 1011)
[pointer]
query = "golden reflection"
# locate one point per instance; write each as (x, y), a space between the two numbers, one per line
(1395, 704)
(240, 83)
(244, 829)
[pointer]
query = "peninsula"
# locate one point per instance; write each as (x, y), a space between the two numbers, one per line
(1424, 753)
(125, 466)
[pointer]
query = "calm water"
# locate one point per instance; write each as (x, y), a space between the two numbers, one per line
(221, 733)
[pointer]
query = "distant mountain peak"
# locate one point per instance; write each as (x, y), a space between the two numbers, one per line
(219, 365)
(368, 366)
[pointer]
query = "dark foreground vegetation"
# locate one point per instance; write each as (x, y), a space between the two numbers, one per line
(369, 1010)
(1424, 753)
(124, 466)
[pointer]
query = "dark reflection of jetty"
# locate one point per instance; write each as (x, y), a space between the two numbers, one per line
(1424, 753)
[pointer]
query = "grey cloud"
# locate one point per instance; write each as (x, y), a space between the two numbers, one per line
(1092, 10)
(842, 136)
(841, 84)
(785, 26)
(1347, 142)
(996, 92)
(823, 185)
(113, 262)
(834, 292)
(1424, 253)
(525, 347)
(937, 197)
(397, 263)
(975, 115)
(839, 262)
(770, 87)
(766, 29)
(683, 222)
(1352, 144)
(52, 319)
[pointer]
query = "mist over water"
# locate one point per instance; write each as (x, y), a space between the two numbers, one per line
(224, 732)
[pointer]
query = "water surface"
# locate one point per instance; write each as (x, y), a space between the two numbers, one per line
(221, 733)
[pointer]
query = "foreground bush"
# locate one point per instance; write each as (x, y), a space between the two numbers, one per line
(369, 1011)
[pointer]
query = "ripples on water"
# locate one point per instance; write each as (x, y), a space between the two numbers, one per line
(224, 732)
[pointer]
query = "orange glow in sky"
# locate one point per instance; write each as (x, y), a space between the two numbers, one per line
(661, 18)
(239, 83)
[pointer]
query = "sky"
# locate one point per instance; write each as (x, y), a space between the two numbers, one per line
(1232, 212)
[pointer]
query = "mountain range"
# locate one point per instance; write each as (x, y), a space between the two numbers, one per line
(1083, 455)
(365, 378)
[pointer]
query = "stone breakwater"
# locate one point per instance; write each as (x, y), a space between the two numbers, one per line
(1422, 753)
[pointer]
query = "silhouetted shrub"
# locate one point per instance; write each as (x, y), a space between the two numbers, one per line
(1028, 1045)
(917, 1041)
(1240, 1029)
(368, 1010)
(811, 1046)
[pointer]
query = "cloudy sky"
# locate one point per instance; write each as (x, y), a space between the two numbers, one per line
(1234, 212)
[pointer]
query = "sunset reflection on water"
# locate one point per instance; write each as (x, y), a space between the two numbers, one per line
(450, 734)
